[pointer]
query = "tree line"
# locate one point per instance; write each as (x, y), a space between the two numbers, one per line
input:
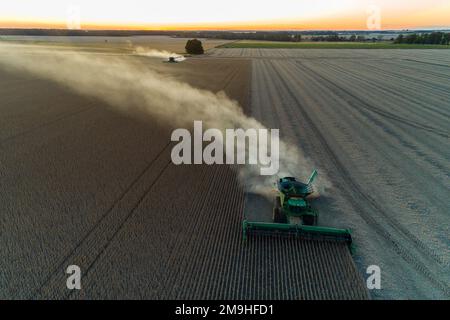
(284, 36)
(419, 37)
(336, 38)
(424, 38)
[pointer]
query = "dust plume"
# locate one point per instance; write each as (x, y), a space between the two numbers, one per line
(129, 85)
(152, 53)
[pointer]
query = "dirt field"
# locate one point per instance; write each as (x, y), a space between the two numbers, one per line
(327, 45)
(377, 124)
(83, 184)
(111, 44)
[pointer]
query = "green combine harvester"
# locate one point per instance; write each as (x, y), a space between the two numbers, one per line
(293, 215)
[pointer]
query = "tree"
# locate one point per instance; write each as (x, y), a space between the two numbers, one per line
(411, 38)
(399, 39)
(424, 38)
(297, 38)
(194, 46)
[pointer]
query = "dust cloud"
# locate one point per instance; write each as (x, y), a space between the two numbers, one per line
(131, 86)
(152, 53)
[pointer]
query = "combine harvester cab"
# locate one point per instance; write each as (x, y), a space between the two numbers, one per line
(175, 59)
(294, 216)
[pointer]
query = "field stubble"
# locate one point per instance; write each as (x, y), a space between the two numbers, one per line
(82, 184)
(374, 122)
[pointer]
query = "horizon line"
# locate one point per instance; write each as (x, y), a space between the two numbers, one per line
(222, 29)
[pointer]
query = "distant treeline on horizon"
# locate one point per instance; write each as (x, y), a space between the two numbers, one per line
(424, 38)
(402, 36)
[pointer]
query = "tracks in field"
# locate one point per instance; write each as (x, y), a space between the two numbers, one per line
(429, 63)
(127, 217)
(409, 93)
(106, 229)
(357, 102)
(354, 193)
(138, 226)
(385, 89)
(214, 262)
(367, 110)
(46, 124)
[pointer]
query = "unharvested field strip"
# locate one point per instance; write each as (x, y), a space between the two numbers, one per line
(231, 205)
(355, 192)
(183, 283)
(171, 283)
(196, 286)
(79, 252)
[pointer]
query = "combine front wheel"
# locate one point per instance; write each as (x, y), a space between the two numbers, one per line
(278, 216)
(309, 220)
(277, 202)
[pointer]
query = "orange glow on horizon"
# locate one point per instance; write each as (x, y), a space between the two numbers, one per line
(338, 25)
(335, 24)
(319, 15)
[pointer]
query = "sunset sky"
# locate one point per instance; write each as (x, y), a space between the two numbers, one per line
(230, 14)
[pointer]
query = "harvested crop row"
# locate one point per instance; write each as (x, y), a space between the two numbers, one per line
(57, 181)
(352, 117)
(97, 189)
(204, 257)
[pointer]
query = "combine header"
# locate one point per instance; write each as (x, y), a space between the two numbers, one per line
(293, 215)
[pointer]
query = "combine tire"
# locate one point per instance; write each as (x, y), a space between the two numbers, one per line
(277, 202)
(309, 220)
(278, 216)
